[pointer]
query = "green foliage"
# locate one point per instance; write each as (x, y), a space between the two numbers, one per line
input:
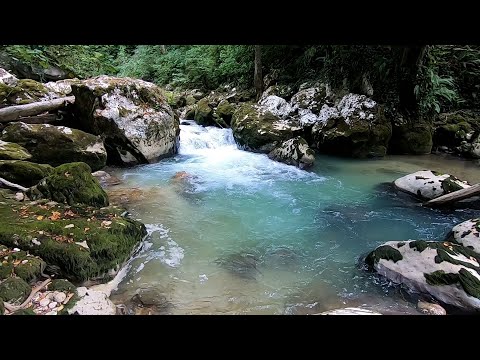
(81, 61)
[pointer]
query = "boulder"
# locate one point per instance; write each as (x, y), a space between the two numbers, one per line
(427, 184)
(224, 111)
(312, 99)
(355, 127)
(257, 129)
(71, 184)
(20, 263)
(467, 234)
(133, 117)
(410, 136)
(14, 290)
(283, 91)
(21, 92)
(6, 78)
(55, 231)
(276, 105)
(204, 113)
(55, 145)
(294, 152)
(12, 151)
(448, 272)
(430, 309)
(24, 173)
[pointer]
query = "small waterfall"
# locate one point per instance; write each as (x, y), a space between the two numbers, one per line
(196, 139)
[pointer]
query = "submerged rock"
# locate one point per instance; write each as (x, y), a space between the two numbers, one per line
(430, 309)
(132, 115)
(71, 184)
(225, 111)
(204, 113)
(350, 311)
(427, 184)
(294, 152)
(446, 271)
(105, 179)
(12, 151)
(243, 265)
(24, 173)
(56, 145)
(93, 302)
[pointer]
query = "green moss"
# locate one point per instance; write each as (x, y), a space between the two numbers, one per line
(28, 311)
(110, 237)
(30, 270)
(11, 151)
(449, 185)
(419, 245)
(225, 111)
(24, 173)
(61, 285)
(14, 290)
(190, 114)
(2, 307)
(6, 269)
(440, 277)
(23, 92)
(204, 113)
(71, 183)
(383, 252)
(411, 138)
(469, 283)
(190, 100)
(55, 145)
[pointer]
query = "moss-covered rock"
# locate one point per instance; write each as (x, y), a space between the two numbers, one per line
(190, 100)
(356, 127)
(61, 285)
(283, 91)
(427, 184)
(24, 91)
(83, 242)
(14, 290)
(133, 117)
(24, 173)
(189, 113)
(294, 152)
(310, 98)
(455, 131)
(257, 129)
(12, 151)
(204, 113)
(175, 100)
(410, 136)
(448, 272)
(2, 307)
(225, 111)
(56, 145)
(71, 184)
(467, 234)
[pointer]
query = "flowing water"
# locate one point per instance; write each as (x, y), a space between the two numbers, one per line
(236, 233)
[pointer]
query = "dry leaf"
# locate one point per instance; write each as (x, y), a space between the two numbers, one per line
(86, 229)
(55, 216)
(105, 223)
(69, 226)
(67, 174)
(69, 213)
(40, 217)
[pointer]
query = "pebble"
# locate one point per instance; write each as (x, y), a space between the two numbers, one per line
(52, 305)
(51, 313)
(59, 297)
(44, 302)
(24, 261)
(19, 196)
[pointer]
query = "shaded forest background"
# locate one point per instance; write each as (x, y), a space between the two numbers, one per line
(445, 77)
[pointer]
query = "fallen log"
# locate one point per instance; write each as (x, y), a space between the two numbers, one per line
(12, 113)
(11, 185)
(454, 196)
(39, 119)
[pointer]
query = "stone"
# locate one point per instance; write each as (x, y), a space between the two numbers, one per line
(133, 117)
(44, 302)
(94, 303)
(12, 151)
(276, 105)
(59, 297)
(43, 142)
(24, 173)
(430, 309)
(294, 152)
(350, 311)
(427, 184)
(467, 234)
(204, 113)
(105, 179)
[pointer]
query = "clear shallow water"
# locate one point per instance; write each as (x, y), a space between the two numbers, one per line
(304, 232)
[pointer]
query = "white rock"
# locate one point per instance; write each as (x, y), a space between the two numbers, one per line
(59, 297)
(44, 302)
(467, 234)
(51, 313)
(425, 184)
(36, 242)
(7, 78)
(82, 291)
(431, 309)
(83, 244)
(94, 303)
(19, 196)
(52, 305)
(276, 105)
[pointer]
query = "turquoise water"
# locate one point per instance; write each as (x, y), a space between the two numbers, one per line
(245, 235)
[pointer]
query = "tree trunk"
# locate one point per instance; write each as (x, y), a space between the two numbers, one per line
(12, 113)
(412, 58)
(452, 197)
(257, 77)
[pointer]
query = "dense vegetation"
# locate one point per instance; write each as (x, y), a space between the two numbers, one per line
(446, 78)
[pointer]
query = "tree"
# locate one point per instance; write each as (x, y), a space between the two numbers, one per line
(257, 76)
(410, 63)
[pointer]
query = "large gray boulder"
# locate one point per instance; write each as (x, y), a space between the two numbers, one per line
(427, 184)
(56, 145)
(294, 152)
(467, 234)
(132, 115)
(355, 127)
(447, 271)
(257, 129)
